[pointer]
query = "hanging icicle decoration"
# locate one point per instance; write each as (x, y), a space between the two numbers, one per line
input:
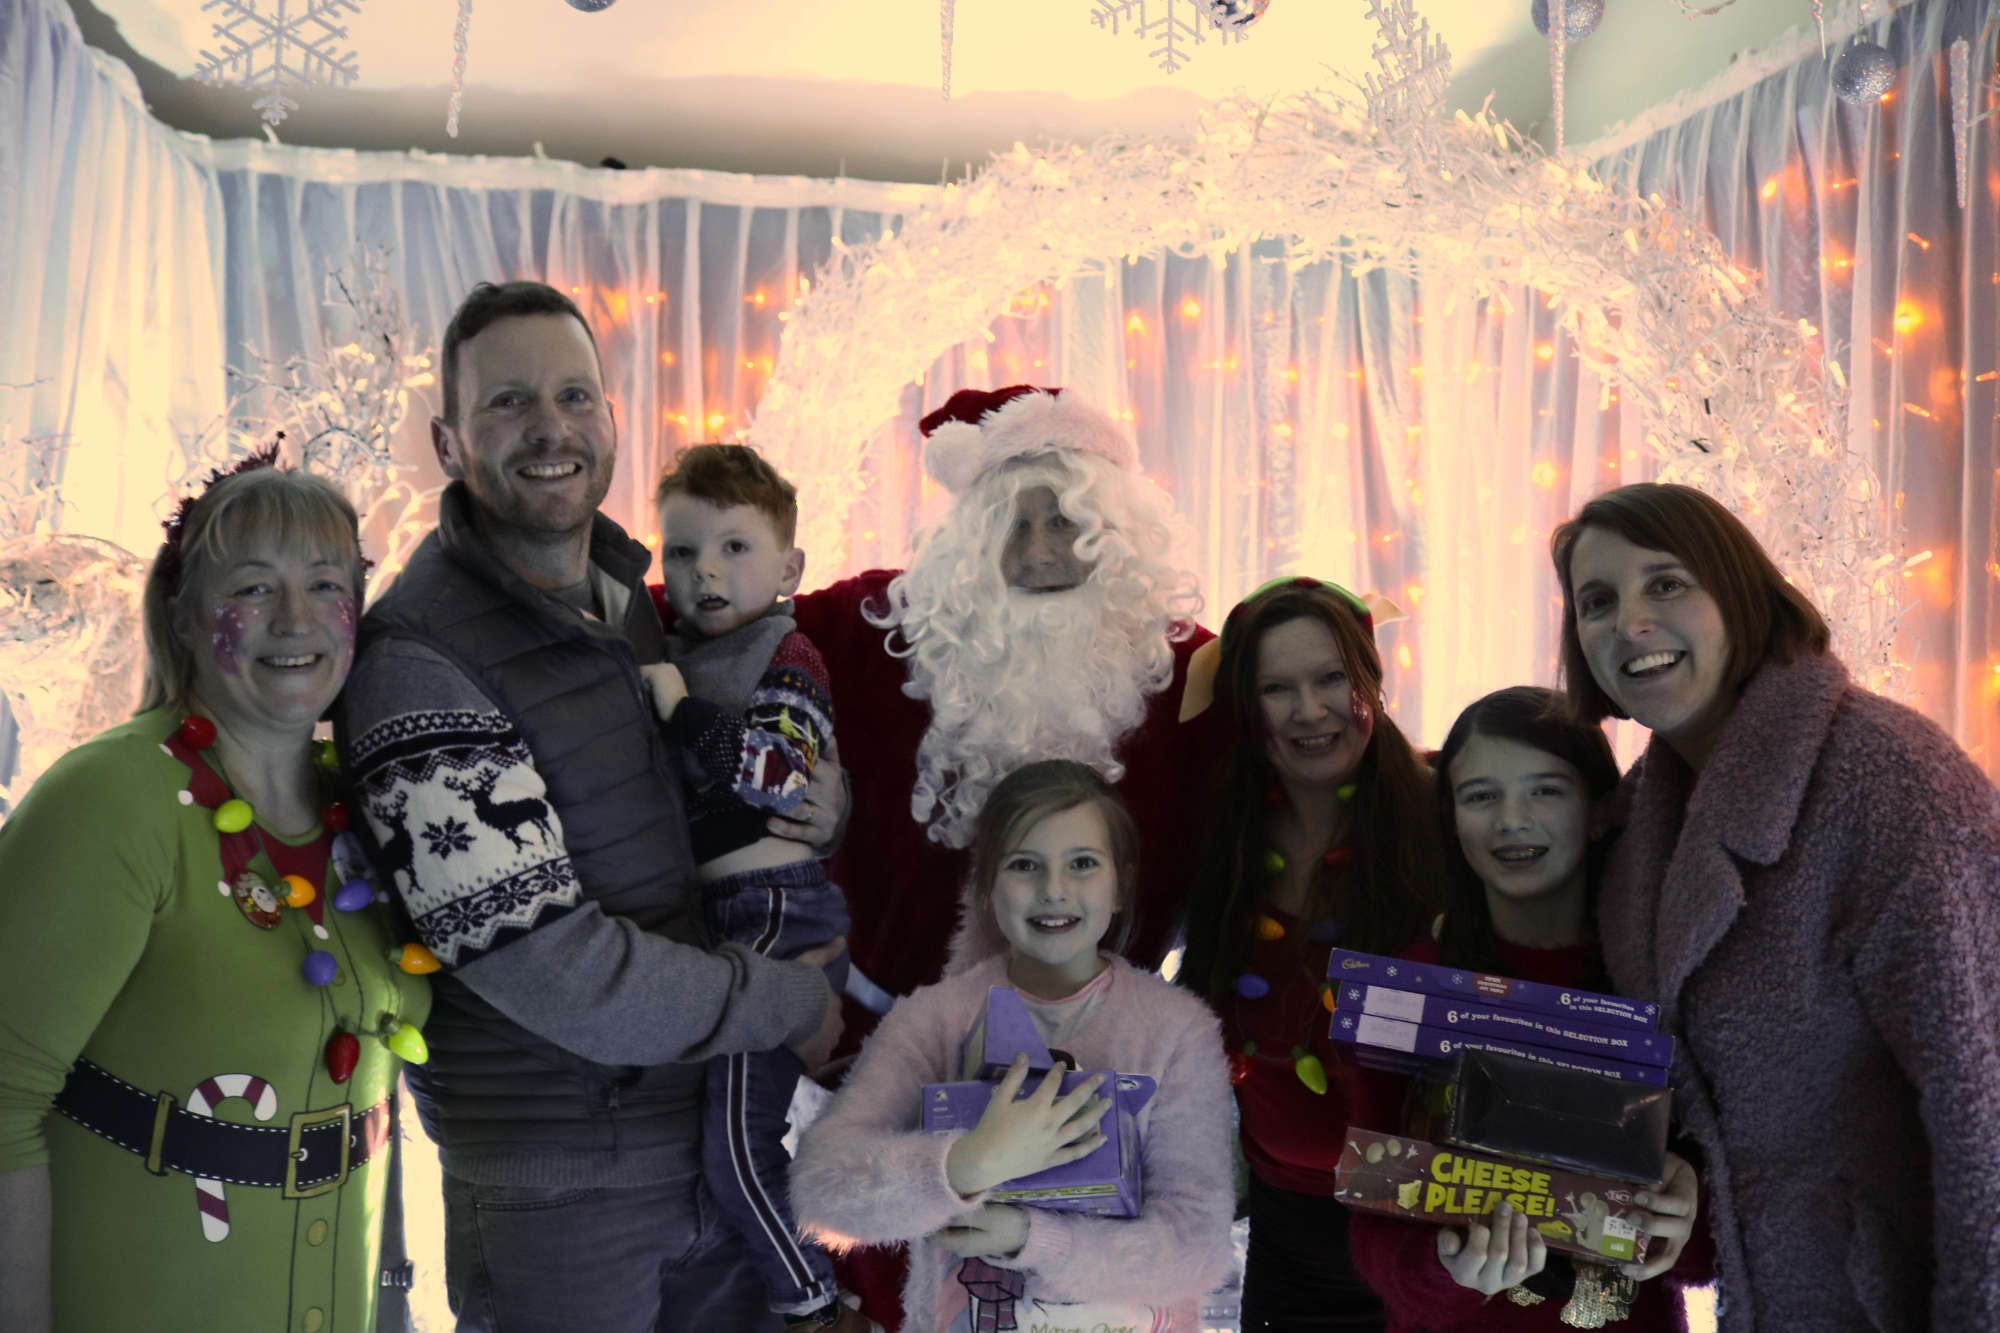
(459, 36)
(946, 13)
(1961, 117)
(1558, 39)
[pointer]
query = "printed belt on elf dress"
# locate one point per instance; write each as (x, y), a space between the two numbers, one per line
(311, 1154)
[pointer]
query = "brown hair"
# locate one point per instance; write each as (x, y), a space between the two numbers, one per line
(299, 510)
(488, 304)
(726, 475)
(1385, 902)
(1030, 794)
(1765, 618)
(1540, 719)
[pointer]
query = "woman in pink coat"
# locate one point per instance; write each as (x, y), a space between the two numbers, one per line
(1809, 883)
(1053, 862)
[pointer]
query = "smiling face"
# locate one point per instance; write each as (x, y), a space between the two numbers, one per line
(723, 567)
(1040, 554)
(1053, 899)
(271, 632)
(1316, 727)
(535, 443)
(1654, 639)
(1523, 819)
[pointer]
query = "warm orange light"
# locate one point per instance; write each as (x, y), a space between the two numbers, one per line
(758, 298)
(1415, 591)
(1908, 316)
(715, 420)
(1190, 310)
(1403, 656)
(1134, 324)
(1770, 190)
(1545, 351)
(667, 358)
(1543, 474)
(1918, 241)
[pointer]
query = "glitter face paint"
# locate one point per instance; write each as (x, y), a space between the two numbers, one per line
(226, 640)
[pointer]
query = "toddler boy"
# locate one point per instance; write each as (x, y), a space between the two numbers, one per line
(746, 696)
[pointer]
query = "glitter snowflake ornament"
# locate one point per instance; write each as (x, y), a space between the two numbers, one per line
(1176, 25)
(292, 44)
(1580, 18)
(1863, 73)
(1235, 13)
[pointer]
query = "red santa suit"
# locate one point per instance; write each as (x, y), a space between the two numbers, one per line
(902, 888)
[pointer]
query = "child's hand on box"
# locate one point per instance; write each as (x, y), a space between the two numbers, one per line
(1495, 1255)
(1670, 1213)
(1018, 1138)
(665, 683)
(990, 1231)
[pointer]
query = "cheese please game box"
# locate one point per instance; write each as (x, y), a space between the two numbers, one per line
(1347, 965)
(1109, 1181)
(1408, 1178)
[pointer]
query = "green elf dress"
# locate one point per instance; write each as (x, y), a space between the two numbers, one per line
(204, 1068)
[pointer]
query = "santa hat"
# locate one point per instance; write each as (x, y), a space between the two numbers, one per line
(978, 429)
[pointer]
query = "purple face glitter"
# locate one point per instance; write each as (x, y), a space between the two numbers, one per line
(226, 640)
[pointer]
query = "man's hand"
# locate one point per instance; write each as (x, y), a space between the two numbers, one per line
(1490, 1259)
(1670, 1213)
(1018, 1138)
(816, 821)
(815, 1050)
(990, 1231)
(665, 683)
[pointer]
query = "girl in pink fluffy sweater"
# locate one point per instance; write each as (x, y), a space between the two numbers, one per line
(1053, 862)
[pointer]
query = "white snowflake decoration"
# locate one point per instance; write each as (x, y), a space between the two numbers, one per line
(288, 47)
(1175, 24)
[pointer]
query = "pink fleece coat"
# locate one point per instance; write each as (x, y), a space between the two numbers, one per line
(865, 1172)
(1818, 913)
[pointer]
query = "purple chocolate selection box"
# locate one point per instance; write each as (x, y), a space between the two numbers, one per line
(1409, 1044)
(1461, 1014)
(1109, 1182)
(1347, 965)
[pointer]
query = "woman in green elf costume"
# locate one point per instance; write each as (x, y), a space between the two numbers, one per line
(203, 1004)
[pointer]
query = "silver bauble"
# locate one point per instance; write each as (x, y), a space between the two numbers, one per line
(1580, 18)
(1863, 73)
(1235, 13)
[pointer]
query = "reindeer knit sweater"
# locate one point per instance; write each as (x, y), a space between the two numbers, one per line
(528, 809)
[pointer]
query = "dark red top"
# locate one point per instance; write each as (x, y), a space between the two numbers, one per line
(902, 888)
(1399, 1259)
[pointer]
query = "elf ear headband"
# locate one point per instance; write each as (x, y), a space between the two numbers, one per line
(1199, 691)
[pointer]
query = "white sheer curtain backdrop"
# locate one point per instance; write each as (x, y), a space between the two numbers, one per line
(1363, 428)
(1851, 213)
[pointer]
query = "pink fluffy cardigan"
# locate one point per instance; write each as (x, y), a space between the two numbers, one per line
(866, 1174)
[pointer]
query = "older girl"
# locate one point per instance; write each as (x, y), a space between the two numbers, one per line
(1523, 796)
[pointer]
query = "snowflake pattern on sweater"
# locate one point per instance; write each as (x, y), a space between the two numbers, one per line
(464, 827)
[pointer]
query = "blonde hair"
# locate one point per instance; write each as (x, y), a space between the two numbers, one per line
(299, 510)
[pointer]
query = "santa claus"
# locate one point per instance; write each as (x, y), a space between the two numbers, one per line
(1045, 617)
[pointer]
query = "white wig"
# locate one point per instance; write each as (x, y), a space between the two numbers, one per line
(1013, 677)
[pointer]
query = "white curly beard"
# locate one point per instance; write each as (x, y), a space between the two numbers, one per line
(1047, 676)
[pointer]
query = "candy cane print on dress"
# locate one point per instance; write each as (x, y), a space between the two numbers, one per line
(207, 1095)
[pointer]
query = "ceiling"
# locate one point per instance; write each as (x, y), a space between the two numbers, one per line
(832, 87)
